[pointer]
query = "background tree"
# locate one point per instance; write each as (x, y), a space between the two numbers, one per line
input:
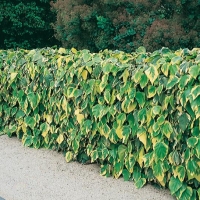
(26, 24)
(127, 24)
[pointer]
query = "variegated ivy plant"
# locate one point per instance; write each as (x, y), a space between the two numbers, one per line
(137, 114)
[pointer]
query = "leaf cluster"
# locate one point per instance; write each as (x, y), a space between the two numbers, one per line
(137, 115)
(127, 24)
(26, 24)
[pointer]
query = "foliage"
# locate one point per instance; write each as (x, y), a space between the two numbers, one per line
(136, 114)
(26, 24)
(127, 24)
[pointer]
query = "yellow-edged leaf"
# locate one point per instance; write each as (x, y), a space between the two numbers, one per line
(84, 74)
(60, 139)
(119, 132)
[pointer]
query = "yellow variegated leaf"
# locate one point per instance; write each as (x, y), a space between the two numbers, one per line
(69, 156)
(84, 74)
(77, 111)
(49, 118)
(148, 116)
(113, 97)
(152, 73)
(119, 132)
(125, 75)
(89, 69)
(45, 132)
(140, 157)
(59, 61)
(131, 107)
(60, 139)
(161, 179)
(68, 59)
(80, 118)
(119, 97)
(64, 104)
(150, 129)
(154, 141)
(13, 75)
(24, 129)
(143, 138)
(63, 116)
(73, 50)
(197, 177)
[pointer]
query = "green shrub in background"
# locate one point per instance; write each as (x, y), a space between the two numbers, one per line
(127, 24)
(137, 114)
(26, 24)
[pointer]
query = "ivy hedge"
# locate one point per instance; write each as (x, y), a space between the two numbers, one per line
(136, 114)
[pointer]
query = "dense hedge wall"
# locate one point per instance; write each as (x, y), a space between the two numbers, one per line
(26, 24)
(127, 24)
(137, 114)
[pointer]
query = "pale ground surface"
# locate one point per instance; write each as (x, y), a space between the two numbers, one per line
(30, 174)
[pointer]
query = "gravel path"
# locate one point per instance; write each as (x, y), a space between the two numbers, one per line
(31, 174)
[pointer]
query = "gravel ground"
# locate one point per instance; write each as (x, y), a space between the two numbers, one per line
(31, 174)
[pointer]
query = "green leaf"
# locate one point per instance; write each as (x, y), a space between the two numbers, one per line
(121, 152)
(192, 141)
(107, 96)
(126, 174)
(142, 114)
(140, 183)
(161, 120)
(97, 110)
(136, 173)
(86, 56)
(183, 121)
(121, 118)
(194, 71)
(118, 167)
(30, 121)
(167, 129)
(187, 194)
(44, 127)
(172, 82)
(160, 151)
(94, 155)
(152, 73)
(27, 140)
(183, 81)
(180, 171)
(156, 110)
(33, 99)
(198, 191)
(195, 91)
(126, 131)
(140, 97)
(75, 145)
(141, 50)
(191, 166)
(143, 81)
(19, 114)
(174, 185)
(176, 60)
(132, 94)
(109, 67)
(157, 168)
(151, 91)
